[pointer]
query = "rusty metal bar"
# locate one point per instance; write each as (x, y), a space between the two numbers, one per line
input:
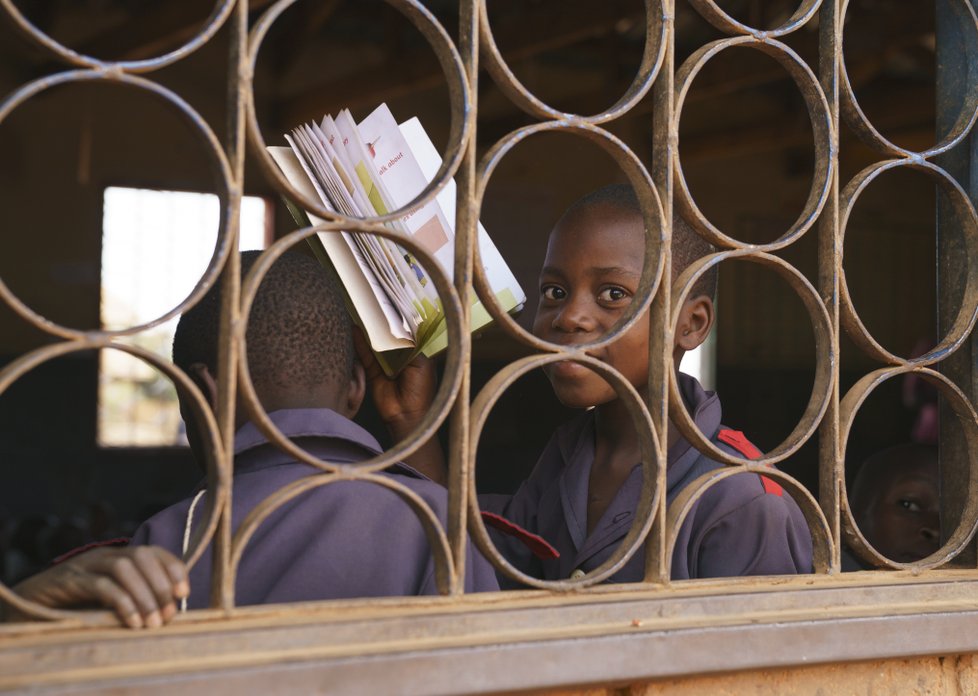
(954, 68)
(831, 463)
(223, 581)
(461, 466)
(664, 140)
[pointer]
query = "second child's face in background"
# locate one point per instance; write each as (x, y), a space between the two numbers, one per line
(589, 278)
(904, 523)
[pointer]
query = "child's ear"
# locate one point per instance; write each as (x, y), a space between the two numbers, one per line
(205, 381)
(200, 375)
(695, 321)
(356, 389)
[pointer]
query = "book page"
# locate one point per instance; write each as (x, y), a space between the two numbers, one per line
(402, 177)
(317, 156)
(352, 202)
(315, 159)
(358, 154)
(501, 279)
(380, 319)
(336, 141)
(411, 273)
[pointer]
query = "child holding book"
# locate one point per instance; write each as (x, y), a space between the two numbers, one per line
(582, 495)
(330, 542)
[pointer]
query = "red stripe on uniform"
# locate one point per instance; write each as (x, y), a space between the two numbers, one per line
(739, 442)
(540, 547)
(771, 487)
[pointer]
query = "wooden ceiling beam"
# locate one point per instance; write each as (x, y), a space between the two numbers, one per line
(523, 35)
(156, 31)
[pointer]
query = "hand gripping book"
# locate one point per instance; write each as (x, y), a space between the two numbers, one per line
(372, 168)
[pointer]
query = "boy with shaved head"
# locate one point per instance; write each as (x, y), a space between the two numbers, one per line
(342, 539)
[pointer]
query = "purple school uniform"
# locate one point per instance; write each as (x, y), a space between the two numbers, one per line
(743, 525)
(341, 540)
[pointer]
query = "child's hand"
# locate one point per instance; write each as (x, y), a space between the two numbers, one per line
(140, 583)
(401, 401)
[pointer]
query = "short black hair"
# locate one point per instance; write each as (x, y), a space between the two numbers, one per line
(687, 244)
(299, 333)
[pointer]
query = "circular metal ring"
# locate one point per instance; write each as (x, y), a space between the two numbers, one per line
(651, 466)
(867, 132)
(220, 13)
(460, 129)
(222, 172)
(722, 20)
(818, 526)
(822, 131)
(218, 476)
(825, 359)
(652, 57)
(966, 415)
(648, 197)
(964, 212)
(445, 396)
(434, 531)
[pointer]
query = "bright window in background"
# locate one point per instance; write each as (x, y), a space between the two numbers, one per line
(155, 247)
(701, 362)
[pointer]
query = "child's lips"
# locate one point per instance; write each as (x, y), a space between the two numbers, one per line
(567, 369)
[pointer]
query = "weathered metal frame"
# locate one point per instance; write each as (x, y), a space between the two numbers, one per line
(595, 622)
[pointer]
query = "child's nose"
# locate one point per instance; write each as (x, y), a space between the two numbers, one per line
(930, 531)
(573, 317)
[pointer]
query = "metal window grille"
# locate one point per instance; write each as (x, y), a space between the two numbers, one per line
(829, 414)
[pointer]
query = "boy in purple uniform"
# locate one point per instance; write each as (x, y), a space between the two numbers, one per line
(583, 493)
(344, 539)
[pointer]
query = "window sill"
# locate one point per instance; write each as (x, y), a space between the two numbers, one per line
(527, 640)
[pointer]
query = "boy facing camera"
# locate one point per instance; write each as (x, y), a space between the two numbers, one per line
(340, 540)
(895, 500)
(582, 495)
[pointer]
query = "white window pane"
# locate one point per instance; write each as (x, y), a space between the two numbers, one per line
(155, 247)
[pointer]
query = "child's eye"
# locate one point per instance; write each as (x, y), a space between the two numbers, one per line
(613, 294)
(910, 505)
(553, 292)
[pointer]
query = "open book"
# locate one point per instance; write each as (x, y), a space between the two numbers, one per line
(372, 168)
